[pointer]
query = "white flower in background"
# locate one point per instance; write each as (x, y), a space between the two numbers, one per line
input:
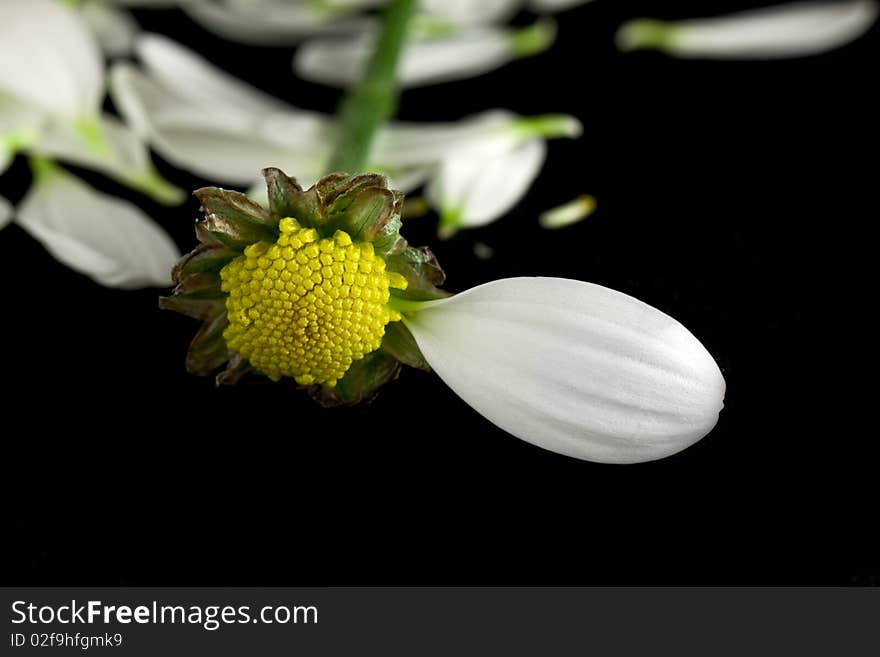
(789, 30)
(436, 52)
(51, 91)
(101, 236)
(573, 367)
(203, 120)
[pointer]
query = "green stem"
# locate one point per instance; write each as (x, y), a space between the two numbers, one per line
(374, 99)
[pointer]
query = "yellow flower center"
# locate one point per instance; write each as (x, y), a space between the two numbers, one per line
(307, 307)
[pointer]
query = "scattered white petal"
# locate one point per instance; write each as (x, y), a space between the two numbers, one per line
(271, 23)
(573, 367)
(472, 11)
(189, 75)
(114, 28)
(568, 214)
(789, 30)
(219, 142)
(474, 192)
(5, 212)
(465, 52)
(101, 236)
(50, 58)
(107, 145)
(552, 6)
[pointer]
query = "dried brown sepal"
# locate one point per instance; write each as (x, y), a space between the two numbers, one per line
(236, 369)
(208, 351)
(233, 206)
(204, 258)
(423, 274)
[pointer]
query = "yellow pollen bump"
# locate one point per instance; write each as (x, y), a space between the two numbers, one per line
(307, 307)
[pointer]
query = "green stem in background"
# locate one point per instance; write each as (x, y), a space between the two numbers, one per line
(374, 100)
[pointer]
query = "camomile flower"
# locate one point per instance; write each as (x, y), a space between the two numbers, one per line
(321, 289)
(788, 30)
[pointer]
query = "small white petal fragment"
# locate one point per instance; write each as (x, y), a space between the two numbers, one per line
(568, 214)
(790, 30)
(573, 367)
(101, 236)
(50, 58)
(5, 212)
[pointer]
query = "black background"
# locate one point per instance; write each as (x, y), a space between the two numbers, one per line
(737, 197)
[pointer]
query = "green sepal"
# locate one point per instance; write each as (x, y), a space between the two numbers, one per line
(237, 368)
(210, 257)
(208, 351)
(234, 207)
(361, 382)
(421, 270)
(401, 344)
(365, 212)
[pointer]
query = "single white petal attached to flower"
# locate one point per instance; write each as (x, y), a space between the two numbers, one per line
(50, 58)
(103, 237)
(573, 367)
(789, 30)
(454, 54)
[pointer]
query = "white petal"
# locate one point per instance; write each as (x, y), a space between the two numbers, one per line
(551, 6)
(101, 236)
(465, 53)
(269, 24)
(406, 144)
(472, 11)
(107, 145)
(190, 76)
(790, 30)
(114, 28)
(49, 58)
(5, 212)
(219, 142)
(573, 367)
(474, 192)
